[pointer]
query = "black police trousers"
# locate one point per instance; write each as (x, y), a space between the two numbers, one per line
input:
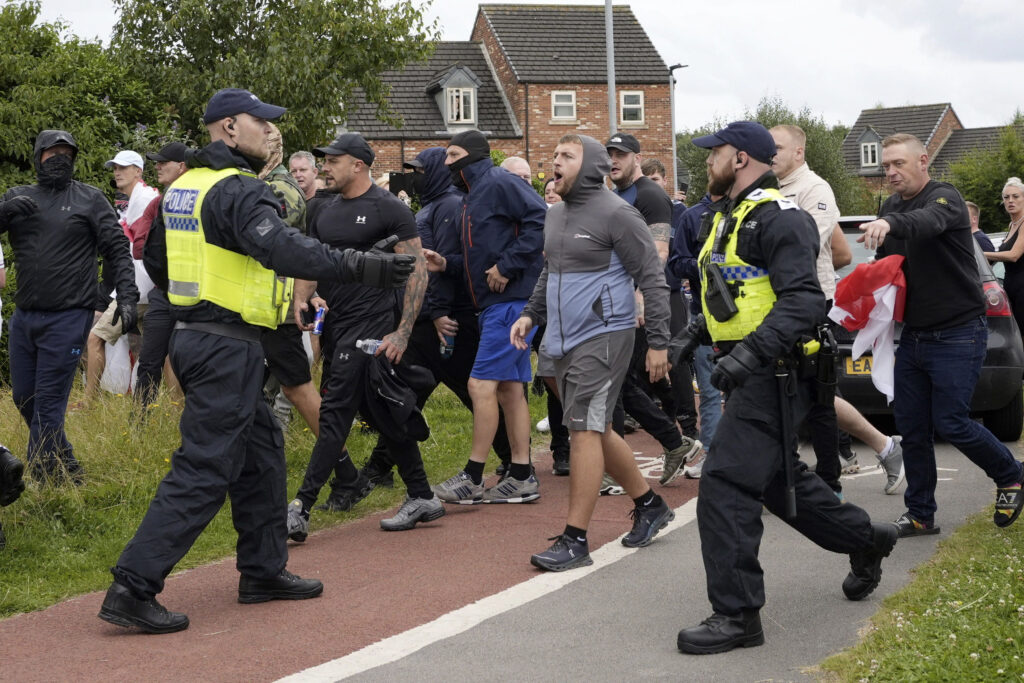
(743, 470)
(425, 350)
(230, 445)
(343, 395)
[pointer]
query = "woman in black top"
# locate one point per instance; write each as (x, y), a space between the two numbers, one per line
(1012, 248)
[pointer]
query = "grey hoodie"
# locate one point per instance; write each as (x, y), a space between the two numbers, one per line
(596, 246)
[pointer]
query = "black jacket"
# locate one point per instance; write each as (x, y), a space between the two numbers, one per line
(785, 243)
(389, 402)
(55, 248)
(240, 213)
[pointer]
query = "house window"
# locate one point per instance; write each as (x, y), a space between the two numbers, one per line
(631, 106)
(460, 105)
(563, 104)
(869, 154)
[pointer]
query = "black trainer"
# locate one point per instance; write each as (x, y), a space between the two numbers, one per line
(866, 566)
(284, 586)
(345, 496)
(566, 553)
(122, 608)
(648, 520)
(560, 467)
(908, 525)
(721, 633)
(11, 483)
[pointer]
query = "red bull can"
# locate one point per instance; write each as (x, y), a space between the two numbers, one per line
(318, 321)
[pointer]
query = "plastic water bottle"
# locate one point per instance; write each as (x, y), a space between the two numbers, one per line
(369, 346)
(448, 346)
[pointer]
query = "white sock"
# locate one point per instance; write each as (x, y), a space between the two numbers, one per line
(889, 443)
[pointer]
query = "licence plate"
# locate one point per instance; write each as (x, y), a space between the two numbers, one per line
(861, 366)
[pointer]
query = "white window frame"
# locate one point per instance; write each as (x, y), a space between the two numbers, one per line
(868, 154)
(461, 93)
(623, 106)
(555, 104)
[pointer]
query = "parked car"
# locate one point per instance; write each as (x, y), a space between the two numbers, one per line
(998, 399)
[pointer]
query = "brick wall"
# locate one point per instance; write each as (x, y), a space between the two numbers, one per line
(946, 126)
(391, 153)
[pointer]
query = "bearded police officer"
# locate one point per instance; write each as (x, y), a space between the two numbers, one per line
(762, 303)
(215, 247)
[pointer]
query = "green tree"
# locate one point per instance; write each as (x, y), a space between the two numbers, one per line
(981, 174)
(308, 56)
(823, 151)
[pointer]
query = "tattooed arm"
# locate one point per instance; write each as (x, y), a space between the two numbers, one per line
(394, 344)
(661, 232)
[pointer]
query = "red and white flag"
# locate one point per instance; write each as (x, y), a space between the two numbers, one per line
(871, 300)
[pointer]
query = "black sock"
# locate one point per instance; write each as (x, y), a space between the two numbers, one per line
(649, 499)
(475, 470)
(576, 533)
(520, 472)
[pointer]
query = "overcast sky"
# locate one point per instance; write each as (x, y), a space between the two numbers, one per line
(834, 56)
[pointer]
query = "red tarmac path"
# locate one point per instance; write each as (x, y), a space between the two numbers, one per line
(376, 584)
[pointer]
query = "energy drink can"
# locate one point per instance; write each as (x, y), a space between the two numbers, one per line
(318, 321)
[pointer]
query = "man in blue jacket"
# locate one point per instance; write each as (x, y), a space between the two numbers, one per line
(501, 229)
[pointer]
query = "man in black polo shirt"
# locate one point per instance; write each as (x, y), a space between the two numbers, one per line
(358, 215)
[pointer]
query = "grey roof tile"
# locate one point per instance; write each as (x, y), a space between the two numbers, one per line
(918, 120)
(964, 141)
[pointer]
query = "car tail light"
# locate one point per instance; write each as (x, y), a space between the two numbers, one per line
(996, 302)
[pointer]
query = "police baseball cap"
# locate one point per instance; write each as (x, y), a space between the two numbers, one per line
(234, 101)
(746, 136)
(125, 158)
(352, 144)
(624, 142)
(175, 151)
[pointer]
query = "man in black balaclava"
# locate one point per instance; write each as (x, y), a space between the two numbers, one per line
(56, 228)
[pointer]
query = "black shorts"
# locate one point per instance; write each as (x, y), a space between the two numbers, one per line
(286, 357)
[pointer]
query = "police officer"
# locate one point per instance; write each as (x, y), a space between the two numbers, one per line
(761, 298)
(215, 246)
(56, 228)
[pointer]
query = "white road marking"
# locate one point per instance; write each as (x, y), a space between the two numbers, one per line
(453, 623)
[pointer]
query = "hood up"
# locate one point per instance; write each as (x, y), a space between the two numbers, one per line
(590, 180)
(51, 138)
(437, 179)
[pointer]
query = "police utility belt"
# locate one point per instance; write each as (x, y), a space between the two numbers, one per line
(738, 295)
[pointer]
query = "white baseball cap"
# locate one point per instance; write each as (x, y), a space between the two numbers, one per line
(126, 158)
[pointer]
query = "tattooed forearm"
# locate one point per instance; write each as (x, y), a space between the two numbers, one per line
(662, 233)
(415, 288)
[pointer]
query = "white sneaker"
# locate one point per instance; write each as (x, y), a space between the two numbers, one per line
(693, 471)
(544, 425)
(609, 487)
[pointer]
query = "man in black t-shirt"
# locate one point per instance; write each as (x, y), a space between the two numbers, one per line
(945, 335)
(359, 215)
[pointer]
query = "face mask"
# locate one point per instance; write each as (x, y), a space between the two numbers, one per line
(418, 182)
(56, 172)
(456, 170)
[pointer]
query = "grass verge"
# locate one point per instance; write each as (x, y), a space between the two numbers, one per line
(960, 619)
(61, 541)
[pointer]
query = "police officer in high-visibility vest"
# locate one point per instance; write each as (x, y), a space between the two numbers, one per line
(214, 248)
(762, 303)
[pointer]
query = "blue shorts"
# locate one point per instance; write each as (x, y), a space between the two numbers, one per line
(496, 358)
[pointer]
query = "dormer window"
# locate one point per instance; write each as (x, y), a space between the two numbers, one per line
(460, 105)
(869, 154)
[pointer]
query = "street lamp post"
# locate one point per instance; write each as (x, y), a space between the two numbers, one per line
(672, 117)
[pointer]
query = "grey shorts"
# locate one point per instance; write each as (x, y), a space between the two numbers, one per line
(590, 377)
(545, 365)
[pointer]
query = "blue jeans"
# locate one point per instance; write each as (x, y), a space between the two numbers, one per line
(710, 398)
(936, 372)
(45, 347)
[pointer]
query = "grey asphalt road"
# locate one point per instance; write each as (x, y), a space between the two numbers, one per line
(620, 623)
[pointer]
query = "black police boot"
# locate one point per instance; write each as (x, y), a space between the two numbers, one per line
(284, 586)
(866, 566)
(343, 497)
(122, 608)
(11, 483)
(721, 633)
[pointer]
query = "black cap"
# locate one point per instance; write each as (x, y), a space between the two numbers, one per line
(415, 163)
(352, 144)
(234, 101)
(175, 151)
(746, 136)
(624, 142)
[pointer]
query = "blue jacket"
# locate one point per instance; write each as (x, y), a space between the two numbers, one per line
(501, 222)
(437, 225)
(682, 259)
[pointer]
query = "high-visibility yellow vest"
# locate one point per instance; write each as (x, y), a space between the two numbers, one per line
(755, 297)
(200, 271)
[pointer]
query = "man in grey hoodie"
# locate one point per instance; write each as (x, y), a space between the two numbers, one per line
(596, 246)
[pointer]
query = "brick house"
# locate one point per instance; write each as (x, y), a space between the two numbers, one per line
(529, 75)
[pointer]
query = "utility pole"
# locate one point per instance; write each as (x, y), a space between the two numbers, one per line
(609, 40)
(672, 106)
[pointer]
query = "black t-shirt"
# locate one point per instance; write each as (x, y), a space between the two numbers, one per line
(652, 202)
(357, 311)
